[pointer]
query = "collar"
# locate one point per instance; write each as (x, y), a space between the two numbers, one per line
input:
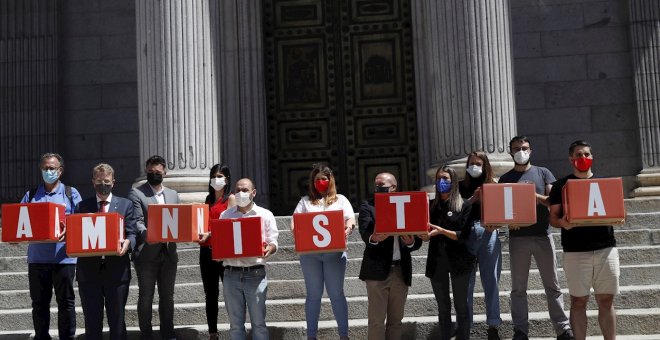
(109, 199)
(162, 188)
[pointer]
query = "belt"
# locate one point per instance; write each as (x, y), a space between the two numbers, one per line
(396, 263)
(244, 269)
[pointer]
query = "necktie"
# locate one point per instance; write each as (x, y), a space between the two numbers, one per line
(102, 205)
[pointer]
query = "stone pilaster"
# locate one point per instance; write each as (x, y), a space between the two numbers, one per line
(463, 66)
(645, 37)
(177, 91)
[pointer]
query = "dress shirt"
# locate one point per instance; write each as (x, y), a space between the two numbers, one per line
(107, 202)
(269, 232)
(160, 197)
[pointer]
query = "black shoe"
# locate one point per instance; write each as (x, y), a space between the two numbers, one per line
(519, 335)
(493, 334)
(567, 335)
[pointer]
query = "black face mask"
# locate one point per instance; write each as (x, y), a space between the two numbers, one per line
(103, 189)
(154, 179)
(382, 189)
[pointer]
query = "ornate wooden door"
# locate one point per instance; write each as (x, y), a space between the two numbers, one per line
(341, 91)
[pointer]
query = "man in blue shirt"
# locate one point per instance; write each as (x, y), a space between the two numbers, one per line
(48, 265)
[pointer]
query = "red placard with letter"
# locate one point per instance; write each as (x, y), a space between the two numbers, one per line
(594, 201)
(511, 204)
(401, 213)
(237, 238)
(94, 234)
(177, 222)
(319, 232)
(32, 222)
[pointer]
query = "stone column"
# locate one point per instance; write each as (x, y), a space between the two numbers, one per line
(463, 66)
(645, 37)
(177, 92)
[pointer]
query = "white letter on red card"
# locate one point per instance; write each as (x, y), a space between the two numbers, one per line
(171, 222)
(508, 203)
(238, 238)
(24, 228)
(596, 205)
(93, 233)
(200, 220)
(316, 222)
(400, 202)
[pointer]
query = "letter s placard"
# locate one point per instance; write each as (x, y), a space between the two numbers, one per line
(402, 213)
(594, 201)
(237, 238)
(319, 232)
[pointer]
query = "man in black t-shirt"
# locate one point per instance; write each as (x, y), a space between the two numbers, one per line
(535, 240)
(590, 255)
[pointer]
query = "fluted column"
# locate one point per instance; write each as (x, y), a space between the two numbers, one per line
(177, 91)
(645, 37)
(465, 96)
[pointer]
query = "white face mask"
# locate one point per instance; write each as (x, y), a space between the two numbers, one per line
(243, 199)
(521, 157)
(218, 183)
(474, 171)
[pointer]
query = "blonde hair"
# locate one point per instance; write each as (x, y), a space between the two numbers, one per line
(103, 168)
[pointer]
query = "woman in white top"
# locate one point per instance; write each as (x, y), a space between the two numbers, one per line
(325, 269)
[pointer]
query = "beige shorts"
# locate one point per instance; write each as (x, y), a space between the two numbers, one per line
(598, 269)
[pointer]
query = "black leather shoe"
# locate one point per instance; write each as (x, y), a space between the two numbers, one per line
(519, 335)
(567, 335)
(493, 334)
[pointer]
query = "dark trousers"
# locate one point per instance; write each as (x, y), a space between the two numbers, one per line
(163, 272)
(43, 278)
(459, 287)
(94, 295)
(212, 273)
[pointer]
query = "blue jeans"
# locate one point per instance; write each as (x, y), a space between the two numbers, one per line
(325, 269)
(241, 289)
(487, 248)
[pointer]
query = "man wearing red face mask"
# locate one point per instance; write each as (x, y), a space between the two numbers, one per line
(590, 255)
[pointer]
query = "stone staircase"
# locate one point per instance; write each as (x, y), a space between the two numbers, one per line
(638, 305)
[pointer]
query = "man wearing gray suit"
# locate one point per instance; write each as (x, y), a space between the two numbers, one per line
(154, 263)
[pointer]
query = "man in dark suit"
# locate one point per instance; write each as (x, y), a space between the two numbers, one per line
(154, 263)
(386, 268)
(104, 280)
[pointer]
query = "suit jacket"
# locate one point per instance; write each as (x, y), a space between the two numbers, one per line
(377, 259)
(117, 268)
(142, 197)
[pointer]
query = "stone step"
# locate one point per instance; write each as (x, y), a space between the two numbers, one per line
(632, 324)
(353, 287)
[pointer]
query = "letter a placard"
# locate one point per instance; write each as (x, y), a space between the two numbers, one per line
(32, 222)
(402, 213)
(177, 222)
(319, 232)
(594, 201)
(237, 238)
(511, 204)
(94, 234)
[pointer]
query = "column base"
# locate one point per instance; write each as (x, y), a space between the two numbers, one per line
(649, 181)
(192, 188)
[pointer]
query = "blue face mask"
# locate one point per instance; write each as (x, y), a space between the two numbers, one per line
(50, 176)
(443, 185)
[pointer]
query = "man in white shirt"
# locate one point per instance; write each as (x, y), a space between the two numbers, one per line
(245, 281)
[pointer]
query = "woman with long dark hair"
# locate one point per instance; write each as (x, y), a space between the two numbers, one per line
(484, 242)
(325, 269)
(449, 259)
(219, 199)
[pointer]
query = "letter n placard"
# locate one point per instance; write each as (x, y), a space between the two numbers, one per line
(402, 213)
(32, 222)
(177, 222)
(237, 238)
(94, 234)
(319, 232)
(594, 201)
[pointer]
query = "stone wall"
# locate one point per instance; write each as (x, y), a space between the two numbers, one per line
(99, 91)
(573, 80)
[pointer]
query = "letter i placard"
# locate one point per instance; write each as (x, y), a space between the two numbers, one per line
(94, 234)
(319, 232)
(594, 201)
(237, 238)
(32, 222)
(176, 222)
(402, 213)
(508, 204)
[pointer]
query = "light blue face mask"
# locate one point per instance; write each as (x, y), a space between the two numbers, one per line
(50, 176)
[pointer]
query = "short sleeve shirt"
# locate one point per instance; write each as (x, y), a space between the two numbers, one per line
(342, 203)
